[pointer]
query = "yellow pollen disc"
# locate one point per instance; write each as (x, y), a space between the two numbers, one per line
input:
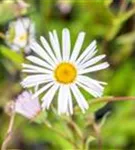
(23, 37)
(65, 73)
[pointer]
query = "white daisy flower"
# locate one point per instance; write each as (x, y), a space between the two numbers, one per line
(20, 34)
(27, 106)
(63, 72)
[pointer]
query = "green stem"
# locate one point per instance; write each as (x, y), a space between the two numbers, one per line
(77, 130)
(62, 135)
(111, 99)
(75, 127)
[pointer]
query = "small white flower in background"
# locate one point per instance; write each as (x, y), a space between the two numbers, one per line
(64, 71)
(27, 106)
(20, 34)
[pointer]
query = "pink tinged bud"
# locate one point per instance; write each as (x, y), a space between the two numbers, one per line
(27, 106)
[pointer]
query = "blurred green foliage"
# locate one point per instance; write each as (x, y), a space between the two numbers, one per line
(112, 24)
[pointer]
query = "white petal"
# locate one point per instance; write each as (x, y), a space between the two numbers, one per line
(39, 62)
(28, 85)
(79, 98)
(55, 44)
(70, 103)
(88, 51)
(33, 71)
(94, 68)
(32, 67)
(66, 44)
(33, 80)
(43, 89)
(41, 52)
(48, 48)
(91, 83)
(48, 97)
(58, 45)
(63, 99)
(36, 77)
(91, 62)
(88, 89)
(89, 56)
(77, 47)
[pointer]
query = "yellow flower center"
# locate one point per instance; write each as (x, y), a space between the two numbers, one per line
(65, 73)
(23, 37)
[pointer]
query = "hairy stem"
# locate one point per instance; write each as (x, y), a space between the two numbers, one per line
(111, 99)
(9, 132)
(98, 134)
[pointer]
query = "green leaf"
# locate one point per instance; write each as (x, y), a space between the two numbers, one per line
(104, 119)
(16, 58)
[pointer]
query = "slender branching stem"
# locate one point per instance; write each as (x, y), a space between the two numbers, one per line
(111, 99)
(75, 127)
(98, 135)
(61, 134)
(9, 132)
